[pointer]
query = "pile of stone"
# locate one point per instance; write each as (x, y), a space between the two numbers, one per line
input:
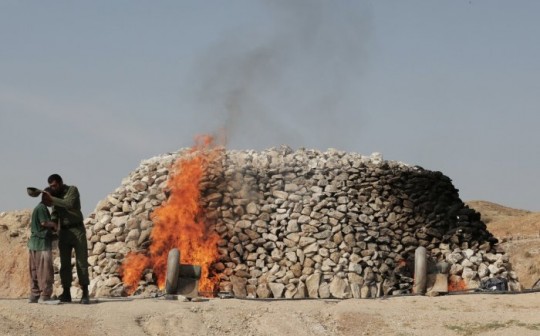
(304, 223)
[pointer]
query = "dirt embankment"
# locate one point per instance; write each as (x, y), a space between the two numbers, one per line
(14, 232)
(518, 232)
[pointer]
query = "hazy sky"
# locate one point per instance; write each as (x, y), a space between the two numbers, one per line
(89, 89)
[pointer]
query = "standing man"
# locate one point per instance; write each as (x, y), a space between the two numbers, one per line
(71, 236)
(40, 260)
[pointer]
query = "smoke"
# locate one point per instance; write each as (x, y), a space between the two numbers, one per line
(291, 80)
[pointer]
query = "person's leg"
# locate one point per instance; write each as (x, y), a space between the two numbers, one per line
(81, 258)
(81, 262)
(34, 286)
(64, 249)
(45, 274)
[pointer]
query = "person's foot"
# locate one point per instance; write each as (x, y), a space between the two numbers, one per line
(85, 300)
(85, 295)
(43, 299)
(33, 299)
(65, 297)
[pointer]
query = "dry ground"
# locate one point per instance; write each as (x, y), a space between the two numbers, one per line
(519, 233)
(472, 314)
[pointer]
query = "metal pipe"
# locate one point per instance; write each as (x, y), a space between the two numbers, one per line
(420, 271)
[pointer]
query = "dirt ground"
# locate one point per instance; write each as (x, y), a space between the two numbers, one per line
(473, 314)
(465, 314)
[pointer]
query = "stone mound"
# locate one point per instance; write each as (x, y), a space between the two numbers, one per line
(304, 223)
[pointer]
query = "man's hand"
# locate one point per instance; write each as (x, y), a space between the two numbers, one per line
(50, 225)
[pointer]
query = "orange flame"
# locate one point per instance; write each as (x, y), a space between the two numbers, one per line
(179, 223)
(456, 286)
(137, 264)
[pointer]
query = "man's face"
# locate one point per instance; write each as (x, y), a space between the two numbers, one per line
(55, 187)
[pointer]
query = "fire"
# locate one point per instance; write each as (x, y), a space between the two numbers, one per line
(456, 286)
(179, 223)
(137, 264)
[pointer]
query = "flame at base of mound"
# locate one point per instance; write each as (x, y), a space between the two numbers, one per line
(179, 223)
(457, 286)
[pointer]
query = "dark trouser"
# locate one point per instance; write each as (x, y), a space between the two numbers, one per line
(40, 264)
(70, 238)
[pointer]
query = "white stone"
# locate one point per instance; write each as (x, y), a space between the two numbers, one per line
(339, 288)
(277, 289)
(312, 284)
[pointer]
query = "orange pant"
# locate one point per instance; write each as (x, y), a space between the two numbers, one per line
(40, 264)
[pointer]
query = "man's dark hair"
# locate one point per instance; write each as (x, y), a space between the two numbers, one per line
(55, 177)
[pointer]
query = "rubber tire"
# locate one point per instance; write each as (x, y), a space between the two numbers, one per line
(173, 267)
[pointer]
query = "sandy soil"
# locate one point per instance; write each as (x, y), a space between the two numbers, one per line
(466, 314)
(14, 234)
(473, 314)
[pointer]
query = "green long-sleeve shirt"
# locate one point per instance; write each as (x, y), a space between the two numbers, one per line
(67, 206)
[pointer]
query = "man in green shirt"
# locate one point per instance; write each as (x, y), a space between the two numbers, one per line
(71, 236)
(40, 260)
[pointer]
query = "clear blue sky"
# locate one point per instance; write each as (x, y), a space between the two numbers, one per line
(88, 89)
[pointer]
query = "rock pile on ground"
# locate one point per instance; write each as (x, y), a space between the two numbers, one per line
(304, 223)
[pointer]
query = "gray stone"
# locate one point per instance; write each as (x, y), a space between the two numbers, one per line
(456, 269)
(280, 194)
(112, 281)
(277, 289)
(468, 273)
(324, 291)
(252, 208)
(291, 187)
(301, 291)
(355, 290)
(239, 286)
(311, 248)
(408, 241)
(339, 288)
(365, 292)
(99, 248)
(263, 292)
(494, 270)
(133, 235)
(312, 284)
(108, 238)
(115, 247)
(304, 241)
(454, 258)
(292, 226)
(119, 221)
(139, 186)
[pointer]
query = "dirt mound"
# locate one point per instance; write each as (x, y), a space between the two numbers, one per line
(504, 222)
(519, 234)
(14, 232)
(492, 210)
